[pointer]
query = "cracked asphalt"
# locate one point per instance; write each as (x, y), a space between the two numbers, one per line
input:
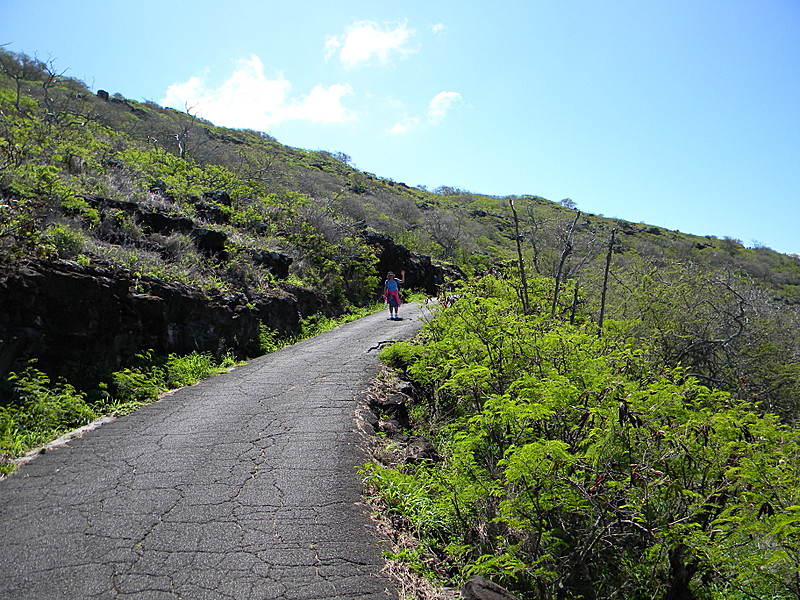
(242, 486)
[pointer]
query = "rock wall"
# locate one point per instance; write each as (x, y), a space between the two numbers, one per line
(421, 272)
(86, 320)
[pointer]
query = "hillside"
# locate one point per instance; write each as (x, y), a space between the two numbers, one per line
(157, 213)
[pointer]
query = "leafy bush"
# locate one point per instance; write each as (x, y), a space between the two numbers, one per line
(36, 410)
(19, 234)
(68, 242)
(574, 467)
(138, 386)
(188, 370)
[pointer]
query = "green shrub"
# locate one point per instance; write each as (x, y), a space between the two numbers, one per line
(401, 354)
(138, 386)
(574, 466)
(68, 242)
(73, 205)
(270, 340)
(187, 370)
(36, 410)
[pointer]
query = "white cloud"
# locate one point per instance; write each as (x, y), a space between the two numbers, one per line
(323, 105)
(367, 40)
(332, 46)
(440, 105)
(248, 99)
(404, 126)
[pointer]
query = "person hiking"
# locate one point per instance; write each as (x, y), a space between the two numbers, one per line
(391, 292)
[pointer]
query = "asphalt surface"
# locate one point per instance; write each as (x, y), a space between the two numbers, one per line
(242, 486)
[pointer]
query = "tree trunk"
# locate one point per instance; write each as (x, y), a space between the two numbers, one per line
(525, 300)
(680, 574)
(605, 283)
(567, 251)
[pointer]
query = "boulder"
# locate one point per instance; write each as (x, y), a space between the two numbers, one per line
(218, 196)
(156, 222)
(394, 406)
(210, 242)
(478, 588)
(419, 449)
(276, 263)
(211, 213)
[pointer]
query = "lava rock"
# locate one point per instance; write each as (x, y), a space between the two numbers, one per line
(478, 588)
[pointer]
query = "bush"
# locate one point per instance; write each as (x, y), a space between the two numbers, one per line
(35, 410)
(401, 354)
(187, 370)
(68, 242)
(575, 467)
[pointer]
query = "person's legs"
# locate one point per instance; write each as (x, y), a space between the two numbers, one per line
(393, 305)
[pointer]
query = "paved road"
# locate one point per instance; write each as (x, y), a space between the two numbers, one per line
(240, 487)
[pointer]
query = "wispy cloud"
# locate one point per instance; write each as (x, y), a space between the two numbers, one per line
(438, 108)
(404, 126)
(367, 41)
(440, 105)
(249, 99)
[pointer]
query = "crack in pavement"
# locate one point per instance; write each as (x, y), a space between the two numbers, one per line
(242, 486)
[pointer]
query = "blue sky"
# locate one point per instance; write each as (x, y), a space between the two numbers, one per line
(682, 114)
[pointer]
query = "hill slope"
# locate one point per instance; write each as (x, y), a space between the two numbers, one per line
(169, 207)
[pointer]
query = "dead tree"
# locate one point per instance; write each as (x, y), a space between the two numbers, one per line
(567, 251)
(526, 308)
(605, 283)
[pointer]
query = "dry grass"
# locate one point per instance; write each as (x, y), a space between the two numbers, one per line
(410, 585)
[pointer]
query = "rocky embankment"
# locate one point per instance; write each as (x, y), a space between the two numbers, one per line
(84, 321)
(77, 319)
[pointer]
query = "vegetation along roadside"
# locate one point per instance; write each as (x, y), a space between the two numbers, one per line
(567, 464)
(35, 410)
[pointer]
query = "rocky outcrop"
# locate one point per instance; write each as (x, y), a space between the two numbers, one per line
(421, 272)
(387, 413)
(276, 263)
(156, 222)
(86, 321)
(478, 588)
(209, 242)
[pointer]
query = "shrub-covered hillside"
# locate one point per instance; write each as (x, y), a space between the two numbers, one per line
(98, 178)
(173, 206)
(572, 464)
